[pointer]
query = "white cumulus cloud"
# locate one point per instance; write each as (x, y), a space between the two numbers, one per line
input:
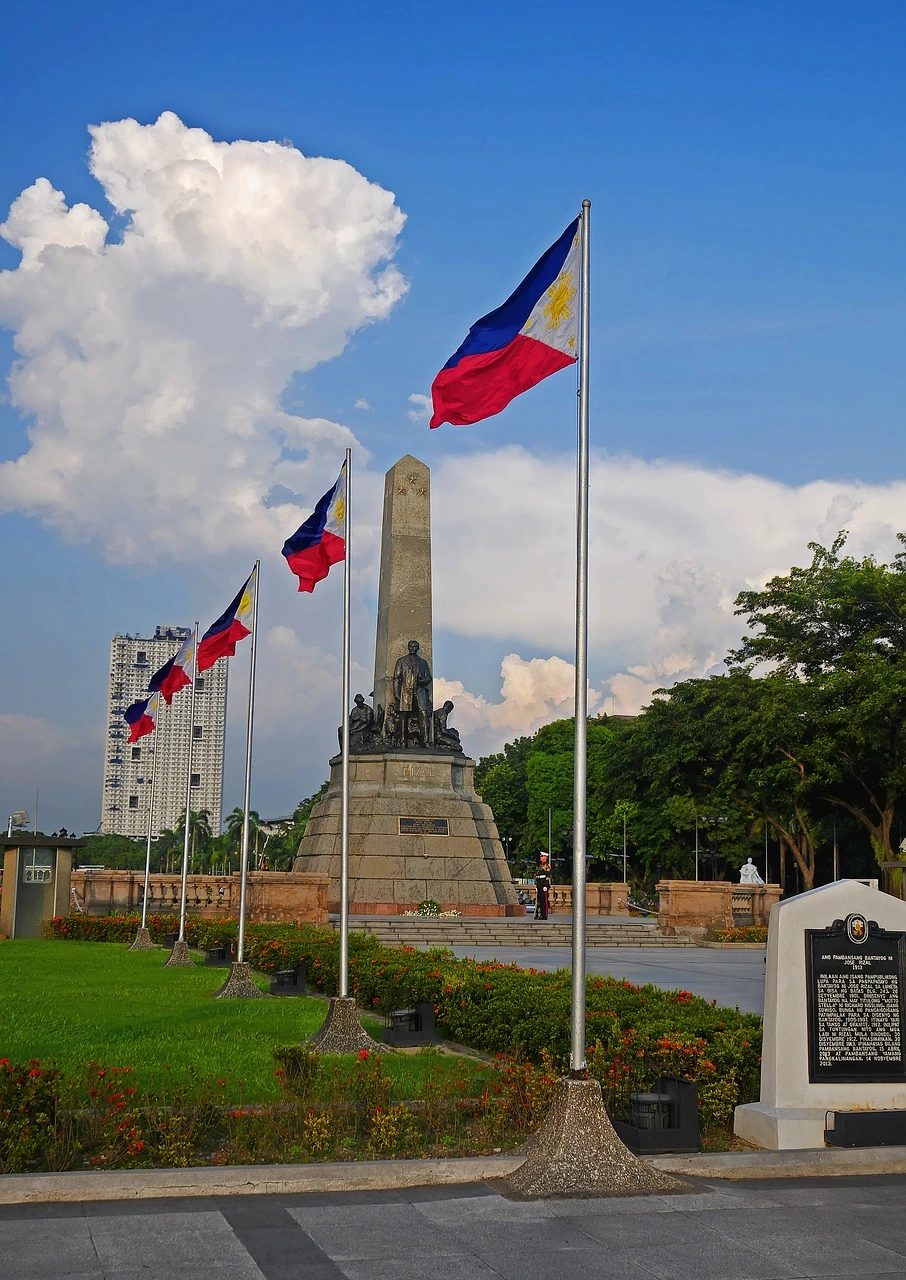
(152, 352)
(671, 545)
(421, 408)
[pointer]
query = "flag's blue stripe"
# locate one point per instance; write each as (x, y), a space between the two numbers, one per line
(133, 714)
(498, 328)
(310, 533)
(225, 621)
(157, 680)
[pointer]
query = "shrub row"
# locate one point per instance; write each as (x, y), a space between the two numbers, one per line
(746, 933)
(103, 1117)
(635, 1033)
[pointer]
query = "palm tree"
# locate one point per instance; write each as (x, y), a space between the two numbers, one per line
(200, 833)
(234, 827)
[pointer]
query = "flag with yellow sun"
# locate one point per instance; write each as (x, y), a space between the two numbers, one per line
(233, 625)
(532, 335)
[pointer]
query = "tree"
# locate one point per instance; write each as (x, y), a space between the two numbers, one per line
(200, 835)
(234, 823)
(837, 631)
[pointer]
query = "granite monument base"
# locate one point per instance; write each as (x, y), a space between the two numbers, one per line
(417, 831)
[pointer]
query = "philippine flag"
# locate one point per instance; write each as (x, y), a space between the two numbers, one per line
(141, 717)
(321, 541)
(174, 674)
(233, 625)
(513, 348)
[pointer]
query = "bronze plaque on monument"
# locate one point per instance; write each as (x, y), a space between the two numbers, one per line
(856, 984)
(424, 827)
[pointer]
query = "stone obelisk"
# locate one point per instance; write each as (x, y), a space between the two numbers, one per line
(404, 590)
(417, 828)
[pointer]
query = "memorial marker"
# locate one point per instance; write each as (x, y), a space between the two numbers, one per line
(835, 1014)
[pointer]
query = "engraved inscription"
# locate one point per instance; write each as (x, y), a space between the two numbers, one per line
(419, 773)
(424, 827)
(858, 1018)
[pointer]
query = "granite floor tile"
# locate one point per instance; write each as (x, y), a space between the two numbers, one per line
(486, 1209)
(513, 1262)
(712, 1259)
(846, 1255)
(375, 1231)
(59, 1247)
(457, 1267)
(631, 1233)
(484, 1238)
(183, 1240)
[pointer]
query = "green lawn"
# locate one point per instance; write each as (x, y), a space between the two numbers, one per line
(79, 1002)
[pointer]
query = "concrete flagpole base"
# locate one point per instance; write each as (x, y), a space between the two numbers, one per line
(239, 985)
(341, 1031)
(142, 941)
(576, 1152)
(179, 955)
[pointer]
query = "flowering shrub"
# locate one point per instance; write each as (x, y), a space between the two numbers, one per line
(102, 1120)
(746, 933)
(635, 1033)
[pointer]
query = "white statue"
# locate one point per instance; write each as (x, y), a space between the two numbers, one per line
(749, 873)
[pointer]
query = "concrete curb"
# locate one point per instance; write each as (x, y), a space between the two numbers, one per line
(395, 1175)
(820, 1162)
(248, 1180)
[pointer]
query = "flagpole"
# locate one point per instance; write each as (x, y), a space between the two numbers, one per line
(244, 864)
(344, 800)
(143, 938)
(180, 953)
(150, 820)
(577, 1016)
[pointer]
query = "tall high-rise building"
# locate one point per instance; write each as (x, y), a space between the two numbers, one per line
(127, 768)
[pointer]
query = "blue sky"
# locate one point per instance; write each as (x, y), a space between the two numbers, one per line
(746, 168)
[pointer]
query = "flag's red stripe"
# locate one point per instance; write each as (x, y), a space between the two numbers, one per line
(313, 563)
(480, 386)
(221, 645)
(141, 727)
(176, 678)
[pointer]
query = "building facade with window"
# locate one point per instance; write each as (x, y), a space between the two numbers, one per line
(127, 768)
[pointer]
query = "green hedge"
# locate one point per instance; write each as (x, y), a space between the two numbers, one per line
(634, 1033)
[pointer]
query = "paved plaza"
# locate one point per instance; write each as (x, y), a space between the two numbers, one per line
(720, 1231)
(733, 978)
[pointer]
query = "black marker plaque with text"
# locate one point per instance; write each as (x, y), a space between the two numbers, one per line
(856, 986)
(424, 827)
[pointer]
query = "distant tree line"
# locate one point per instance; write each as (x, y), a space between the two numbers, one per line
(273, 847)
(803, 739)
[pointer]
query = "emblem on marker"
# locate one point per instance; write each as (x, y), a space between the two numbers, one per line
(856, 928)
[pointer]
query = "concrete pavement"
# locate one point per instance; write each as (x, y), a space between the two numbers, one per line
(810, 1229)
(733, 978)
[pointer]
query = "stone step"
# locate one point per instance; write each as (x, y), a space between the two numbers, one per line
(494, 932)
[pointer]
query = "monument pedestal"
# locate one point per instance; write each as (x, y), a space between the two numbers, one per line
(417, 830)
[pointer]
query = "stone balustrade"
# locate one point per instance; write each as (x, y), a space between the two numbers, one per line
(277, 897)
(600, 899)
(693, 908)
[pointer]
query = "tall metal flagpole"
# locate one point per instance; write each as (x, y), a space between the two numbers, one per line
(180, 954)
(244, 859)
(142, 940)
(577, 1017)
(344, 801)
(150, 823)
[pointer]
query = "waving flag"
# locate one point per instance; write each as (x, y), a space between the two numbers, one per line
(233, 625)
(174, 674)
(141, 717)
(513, 348)
(321, 541)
